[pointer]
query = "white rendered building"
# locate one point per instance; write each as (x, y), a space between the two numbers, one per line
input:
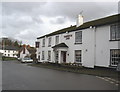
(9, 52)
(94, 43)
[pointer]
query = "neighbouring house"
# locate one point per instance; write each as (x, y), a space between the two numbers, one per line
(92, 43)
(26, 51)
(8, 47)
(9, 51)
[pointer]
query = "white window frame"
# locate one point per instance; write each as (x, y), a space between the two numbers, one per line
(56, 39)
(49, 41)
(78, 37)
(43, 42)
(114, 57)
(37, 44)
(80, 57)
(56, 56)
(115, 31)
(43, 55)
(49, 55)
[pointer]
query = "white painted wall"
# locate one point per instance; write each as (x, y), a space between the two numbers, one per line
(9, 53)
(95, 46)
(103, 46)
(23, 55)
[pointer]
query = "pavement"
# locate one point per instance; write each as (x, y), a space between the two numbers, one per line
(17, 76)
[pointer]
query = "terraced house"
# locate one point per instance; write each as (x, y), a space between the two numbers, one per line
(94, 43)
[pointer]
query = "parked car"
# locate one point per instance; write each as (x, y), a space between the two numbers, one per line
(26, 60)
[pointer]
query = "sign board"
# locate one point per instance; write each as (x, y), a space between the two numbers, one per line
(67, 37)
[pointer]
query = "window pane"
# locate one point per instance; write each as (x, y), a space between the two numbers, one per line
(57, 39)
(43, 57)
(78, 37)
(115, 31)
(37, 44)
(112, 30)
(78, 56)
(49, 41)
(115, 56)
(56, 56)
(49, 55)
(118, 31)
(43, 42)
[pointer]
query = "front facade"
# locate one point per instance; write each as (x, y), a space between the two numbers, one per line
(10, 53)
(24, 52)
(91, 44)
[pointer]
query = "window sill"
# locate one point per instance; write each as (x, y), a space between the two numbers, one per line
(49, 45)
(77, 43)
(114, 40)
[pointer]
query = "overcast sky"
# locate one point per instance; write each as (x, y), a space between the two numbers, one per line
(28, 20)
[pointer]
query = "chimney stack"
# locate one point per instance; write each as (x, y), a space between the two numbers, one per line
(79, 20)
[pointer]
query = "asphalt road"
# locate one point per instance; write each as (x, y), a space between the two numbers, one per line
(17, 76)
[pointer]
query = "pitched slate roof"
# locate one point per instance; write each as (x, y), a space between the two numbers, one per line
(98, 22)
(60, 45)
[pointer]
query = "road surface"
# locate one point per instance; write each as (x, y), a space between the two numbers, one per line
(17, 76)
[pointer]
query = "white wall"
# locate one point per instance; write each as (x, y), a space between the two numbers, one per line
(103, 46)
(88, 48)
(95, 46)
(9, 53)
(23, 55)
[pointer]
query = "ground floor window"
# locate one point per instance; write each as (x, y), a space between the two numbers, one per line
(43, 55)
(56, 56)
(78, 56)
(38, 57)
(8, 54)
(49, 55)
(114, 57)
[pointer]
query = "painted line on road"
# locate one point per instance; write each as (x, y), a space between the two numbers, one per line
(116, 84)
(112, 81)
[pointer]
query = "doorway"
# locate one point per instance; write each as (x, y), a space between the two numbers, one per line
(63, 56)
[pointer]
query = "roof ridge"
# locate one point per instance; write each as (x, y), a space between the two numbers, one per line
(96, 22)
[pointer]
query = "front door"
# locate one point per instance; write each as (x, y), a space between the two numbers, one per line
(64, 57)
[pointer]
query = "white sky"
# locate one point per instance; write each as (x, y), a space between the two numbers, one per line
(28, 20)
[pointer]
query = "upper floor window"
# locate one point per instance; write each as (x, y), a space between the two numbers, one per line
(43, 42)
(57, 40)
(115, 31)
(78, 37)
(49, 41)
(37, 44)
